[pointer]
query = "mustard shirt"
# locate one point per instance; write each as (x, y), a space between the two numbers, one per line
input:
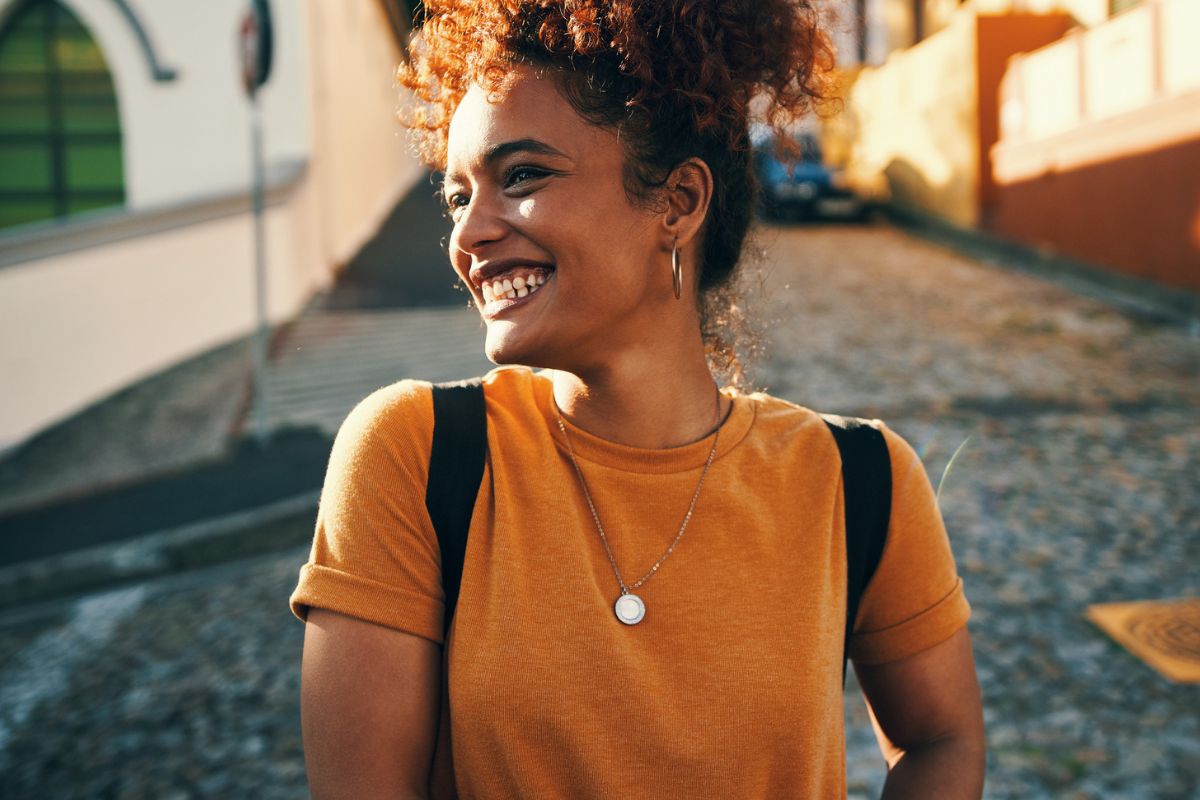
(730, 687)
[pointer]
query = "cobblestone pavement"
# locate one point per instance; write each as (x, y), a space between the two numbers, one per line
(1076, 485)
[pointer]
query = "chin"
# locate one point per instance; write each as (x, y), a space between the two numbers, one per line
(503, 345)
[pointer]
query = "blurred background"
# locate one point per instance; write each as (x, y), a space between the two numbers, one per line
(214, 241)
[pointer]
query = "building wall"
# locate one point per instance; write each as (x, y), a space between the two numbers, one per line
(365, 162)
(1084, 12)
(189, 137)
(923, 123)
(1100, 151)
(999, 37)
(1136, 213)
(890, 28)
(914, 125)
(78, 326)
(88, 306)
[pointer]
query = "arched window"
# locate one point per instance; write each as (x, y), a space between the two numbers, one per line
(60, 134)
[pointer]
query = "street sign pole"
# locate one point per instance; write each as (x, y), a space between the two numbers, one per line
(261, 422)
(255, 48)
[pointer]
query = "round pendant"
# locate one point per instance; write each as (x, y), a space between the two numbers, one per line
(630, 609)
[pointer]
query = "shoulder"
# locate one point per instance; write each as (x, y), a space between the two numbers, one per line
(391, 405)
(391, 410)
(780, 421)
(775, 417)
(391, 426)
(784, 412)
(778, 417)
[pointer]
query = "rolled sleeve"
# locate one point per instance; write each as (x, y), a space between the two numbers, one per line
(932, 626)
(375, 555)
(366, 599)
(915, 599)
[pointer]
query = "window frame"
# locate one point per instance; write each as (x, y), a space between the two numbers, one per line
(62, 193)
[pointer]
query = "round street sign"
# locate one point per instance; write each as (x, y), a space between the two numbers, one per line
(254, 45)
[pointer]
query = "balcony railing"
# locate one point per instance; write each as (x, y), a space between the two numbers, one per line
(1139, 57)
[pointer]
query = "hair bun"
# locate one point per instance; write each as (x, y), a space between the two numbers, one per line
(706, 59)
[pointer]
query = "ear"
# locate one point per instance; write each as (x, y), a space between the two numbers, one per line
(689, 191)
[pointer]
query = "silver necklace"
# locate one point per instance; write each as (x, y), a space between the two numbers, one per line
(629, 607)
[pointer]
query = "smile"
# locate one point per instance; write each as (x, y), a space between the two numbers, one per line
(514, 284)
(512, 290)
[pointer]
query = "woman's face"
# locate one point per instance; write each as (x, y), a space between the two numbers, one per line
(537, 196)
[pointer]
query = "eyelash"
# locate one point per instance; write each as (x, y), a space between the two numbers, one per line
(535, 172)
(460, 200)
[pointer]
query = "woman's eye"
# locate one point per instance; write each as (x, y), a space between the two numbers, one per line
(519, 175)
(456, 201)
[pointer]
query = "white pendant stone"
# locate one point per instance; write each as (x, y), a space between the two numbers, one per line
(630, 609)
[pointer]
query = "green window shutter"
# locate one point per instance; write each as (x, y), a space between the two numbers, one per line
(60, 130)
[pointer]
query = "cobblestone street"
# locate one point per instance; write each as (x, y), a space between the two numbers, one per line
(1076, 485)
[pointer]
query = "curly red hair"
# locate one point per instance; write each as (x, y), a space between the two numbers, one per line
(707, 59)
(676, 78)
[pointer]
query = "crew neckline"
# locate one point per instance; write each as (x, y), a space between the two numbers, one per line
(595, 449)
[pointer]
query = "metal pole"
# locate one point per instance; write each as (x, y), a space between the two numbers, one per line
(260, 423)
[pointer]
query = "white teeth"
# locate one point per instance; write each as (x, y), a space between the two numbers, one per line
(511, 288)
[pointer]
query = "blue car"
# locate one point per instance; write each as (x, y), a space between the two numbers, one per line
(811, 190)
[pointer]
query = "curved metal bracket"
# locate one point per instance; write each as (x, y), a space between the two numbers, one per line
(157, 70)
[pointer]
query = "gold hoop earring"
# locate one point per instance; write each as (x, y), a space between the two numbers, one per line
(676, 270)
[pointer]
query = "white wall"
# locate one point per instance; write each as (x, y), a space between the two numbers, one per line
(364, 152)
(78, 324)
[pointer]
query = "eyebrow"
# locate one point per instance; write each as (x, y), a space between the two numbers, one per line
(499, 151)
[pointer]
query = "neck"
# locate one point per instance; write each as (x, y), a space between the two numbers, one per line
(643, 403)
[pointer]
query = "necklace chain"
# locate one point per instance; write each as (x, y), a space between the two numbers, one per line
(596, 516)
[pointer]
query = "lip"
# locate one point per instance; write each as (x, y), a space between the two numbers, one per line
(496, 307)
(485, 271)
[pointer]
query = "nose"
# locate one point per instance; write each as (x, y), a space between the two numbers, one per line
(478, 224)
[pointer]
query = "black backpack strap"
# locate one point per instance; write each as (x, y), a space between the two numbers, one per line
(455, 472)
(867, 498)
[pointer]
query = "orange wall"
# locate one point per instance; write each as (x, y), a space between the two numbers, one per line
(1138, 213)
(1000, 37)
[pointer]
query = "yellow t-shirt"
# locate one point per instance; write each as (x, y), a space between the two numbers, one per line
(731, 686)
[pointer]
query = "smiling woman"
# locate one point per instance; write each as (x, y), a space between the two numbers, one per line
(667, 97)
(657, 587)
(527, 182)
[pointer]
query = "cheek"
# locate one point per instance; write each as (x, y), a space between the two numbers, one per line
(459, 260)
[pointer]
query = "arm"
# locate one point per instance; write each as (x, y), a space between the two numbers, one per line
(928, 718)
(369, 702)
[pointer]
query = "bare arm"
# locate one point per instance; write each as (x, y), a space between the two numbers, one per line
(369, 703)
(929, 721)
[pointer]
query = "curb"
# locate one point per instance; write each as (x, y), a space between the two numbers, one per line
(274, 526)
(248, 476)
(1139, 296)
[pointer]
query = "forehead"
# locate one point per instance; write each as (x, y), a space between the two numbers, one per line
(531, 108)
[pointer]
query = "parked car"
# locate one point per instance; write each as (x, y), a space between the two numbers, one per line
(807, 188)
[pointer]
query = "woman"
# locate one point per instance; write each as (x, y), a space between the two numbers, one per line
(654, 585)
